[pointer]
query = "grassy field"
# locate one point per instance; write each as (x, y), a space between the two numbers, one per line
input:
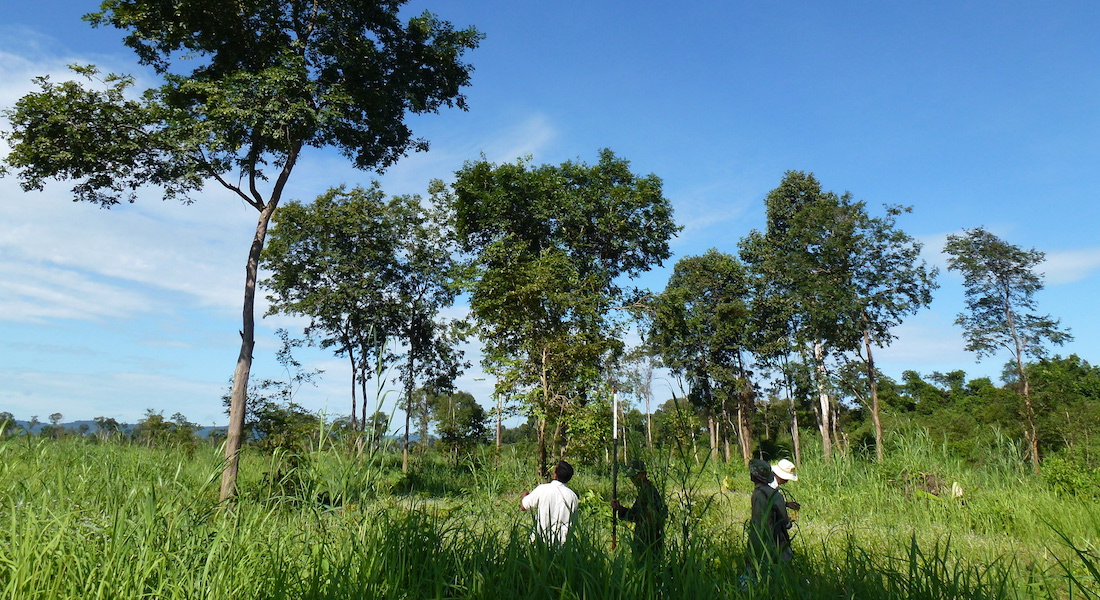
(104, 520)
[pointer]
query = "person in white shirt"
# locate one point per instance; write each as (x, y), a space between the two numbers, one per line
(555, 506)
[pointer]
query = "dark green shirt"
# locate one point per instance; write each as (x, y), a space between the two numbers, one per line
(769, 540)
(648, 514)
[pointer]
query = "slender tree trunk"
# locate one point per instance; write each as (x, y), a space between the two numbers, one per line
(364, 436)
(542, 447)
(239, 394)
(363, 389)
(1032, 431)
(743, 442)
(408, 409)
(873, 383)
(500, 419)
(354, 408)
(824, 406)
(1029, 414)
(725, 426)
(712, 436)
(544, 380)
(648, 422)
(793, 413)
(746, 407)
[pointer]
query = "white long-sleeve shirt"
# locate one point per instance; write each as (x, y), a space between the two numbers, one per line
(555, 506)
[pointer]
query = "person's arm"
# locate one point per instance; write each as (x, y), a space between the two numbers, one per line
(783, 519)
(524, 504)
(759, 506)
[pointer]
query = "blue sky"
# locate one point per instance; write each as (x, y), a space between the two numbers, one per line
(974, 113)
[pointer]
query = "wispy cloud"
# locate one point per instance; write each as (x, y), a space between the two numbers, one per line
(1071, 265)
(32, 292)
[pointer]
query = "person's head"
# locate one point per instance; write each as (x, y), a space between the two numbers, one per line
(760, 471)
(635, 470)
(563, 471)
(784, 471)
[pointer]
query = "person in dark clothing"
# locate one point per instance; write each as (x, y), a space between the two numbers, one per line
(769, 540)
(648, 514)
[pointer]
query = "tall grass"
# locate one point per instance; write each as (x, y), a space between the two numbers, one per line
(84, 520)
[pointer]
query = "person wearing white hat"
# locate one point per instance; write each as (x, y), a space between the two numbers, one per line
(784, 471)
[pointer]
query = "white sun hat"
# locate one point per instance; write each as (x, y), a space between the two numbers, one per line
(784, 469)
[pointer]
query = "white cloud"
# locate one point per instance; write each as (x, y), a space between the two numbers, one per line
(1071, 265)
(36, 292)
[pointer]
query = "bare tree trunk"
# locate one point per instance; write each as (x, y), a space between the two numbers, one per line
(648, 424)
(746, 407)
(239, 393)
(1029, 414)
(796, 442)
(542, 447)
(408, 410)
(500, 418)
(545, 382)
(712, 434)
(725, 426)
(1031, 431)
(354, 371)
(825, 407)
(647, 391)
(793, 413)
(873, 383)
(743, 438)
(363, 388)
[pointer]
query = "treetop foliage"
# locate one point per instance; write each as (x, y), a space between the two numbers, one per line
(268, 77)
(1000, 284)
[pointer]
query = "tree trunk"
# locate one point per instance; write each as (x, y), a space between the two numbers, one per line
(648, 423)
(1029, 414)
(742, 438)
(363, 389)
(542, 447)
(746, 407)
(873, 384)
(725, 425)
(793, 413)
(408, 410)
(351, 359)
(239, 393)
(825, 415)
(1032, 431)
(712, 435)
(796, 442)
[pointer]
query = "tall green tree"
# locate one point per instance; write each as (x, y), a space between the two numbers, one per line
(1000, 283)
(890, 283)
(639, 365)
(700, 328)
(364, 269)
(804, 294)
(550, 247)
(245, 87)
(460, 421)
(427, 270)
(107, 427)
(1066, 393)
(334, 262)
(7, 423)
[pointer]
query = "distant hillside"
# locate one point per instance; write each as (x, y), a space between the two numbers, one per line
(90, 428)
